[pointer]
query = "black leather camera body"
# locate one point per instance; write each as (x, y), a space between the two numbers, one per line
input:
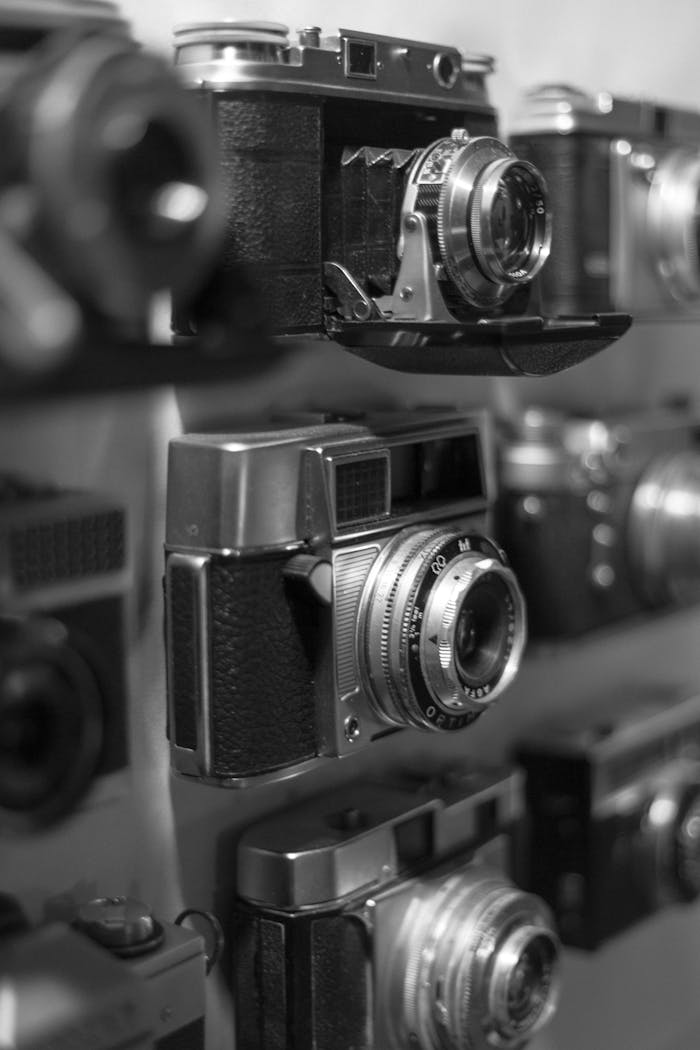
(63, 624)
(329, 583)
(623, 178)
(613, 812)
(369, 200)
(381, 917)
(599, 515)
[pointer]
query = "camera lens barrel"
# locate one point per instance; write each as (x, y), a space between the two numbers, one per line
(489, 211)
(441, 628)
(475, 965)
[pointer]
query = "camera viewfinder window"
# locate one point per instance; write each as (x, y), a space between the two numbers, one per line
(360, 59)
(434, 471)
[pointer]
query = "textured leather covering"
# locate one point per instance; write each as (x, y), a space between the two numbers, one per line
(271, 172)
(577, 171)
(262, 699)
(301, 981)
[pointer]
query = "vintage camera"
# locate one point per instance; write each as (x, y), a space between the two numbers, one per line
(117, 978)
(108, 192)
(63, 619)
(614, 814)
(600, 516)
(380, 918)
(623, 177)
(371, 201)
(329, 583)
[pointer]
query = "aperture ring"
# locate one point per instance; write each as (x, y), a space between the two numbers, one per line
(404, 686)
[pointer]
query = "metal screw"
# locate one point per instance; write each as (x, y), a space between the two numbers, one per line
(532, 507)
(361, 310)
(410, 223)
(352, 729)
(406, 293)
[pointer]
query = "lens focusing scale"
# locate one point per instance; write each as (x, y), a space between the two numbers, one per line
(492, 222)
(441, 629)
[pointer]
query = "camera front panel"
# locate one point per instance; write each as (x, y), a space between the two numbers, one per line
(572, 581)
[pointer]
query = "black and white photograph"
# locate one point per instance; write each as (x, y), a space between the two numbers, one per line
(349, 525)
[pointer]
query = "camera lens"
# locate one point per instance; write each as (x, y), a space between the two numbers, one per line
(513, 231)
(441, 628)
(474, 965)
(663, 530)
(125, 172)
(494, 228)
(673, 218)
(50, 724)
(481, 634)
(521, 981)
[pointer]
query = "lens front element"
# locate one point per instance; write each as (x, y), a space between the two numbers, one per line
(441, 628)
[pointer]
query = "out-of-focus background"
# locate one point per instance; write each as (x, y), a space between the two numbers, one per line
(169, 842)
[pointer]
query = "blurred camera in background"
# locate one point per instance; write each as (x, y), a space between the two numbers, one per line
(601, 517)
(613, 812)
(64, 626)
(114, 978)
(383, 917)
(624, 183)
(108, 183)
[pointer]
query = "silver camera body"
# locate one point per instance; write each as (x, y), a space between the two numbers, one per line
(327, 584)
(389, 904)
(118, 978)
(624, 176)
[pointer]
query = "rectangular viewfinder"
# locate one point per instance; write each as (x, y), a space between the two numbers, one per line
(413, 840)
(430, 472)
(361, 59)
